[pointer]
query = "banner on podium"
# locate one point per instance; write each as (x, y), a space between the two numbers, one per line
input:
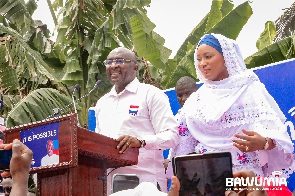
(43, 140)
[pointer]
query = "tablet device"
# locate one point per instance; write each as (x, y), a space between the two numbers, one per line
(203, 174)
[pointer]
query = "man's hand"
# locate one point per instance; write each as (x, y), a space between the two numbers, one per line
(175, 187)
(20, 165)
(126, 142)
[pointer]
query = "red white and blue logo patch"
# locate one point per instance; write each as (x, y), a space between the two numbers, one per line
(133, 110)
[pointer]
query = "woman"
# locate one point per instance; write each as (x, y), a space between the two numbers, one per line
(232, 111)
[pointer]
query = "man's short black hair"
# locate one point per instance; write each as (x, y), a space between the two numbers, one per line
(186, 81)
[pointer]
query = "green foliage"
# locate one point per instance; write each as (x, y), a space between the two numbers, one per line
(17, 14)
(227, 21)
(267, 36)
(147, 43)
(36, 106)
(275, 43)
(285, 24)
(9, 77)
(278, 51)
(38, 75)
(27, 63)
(87, 31)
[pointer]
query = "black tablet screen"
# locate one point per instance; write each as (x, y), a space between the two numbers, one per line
(203, 174)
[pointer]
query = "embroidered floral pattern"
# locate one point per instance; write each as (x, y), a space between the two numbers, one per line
(243, 158)
(182, 130)
(203, 150)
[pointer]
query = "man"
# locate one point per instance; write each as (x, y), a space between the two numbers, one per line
(138, 116)
(184, 87)
(50, 158)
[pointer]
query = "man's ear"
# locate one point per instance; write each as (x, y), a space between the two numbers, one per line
(136, 67)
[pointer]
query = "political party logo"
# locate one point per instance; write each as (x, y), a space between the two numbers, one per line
(133, 110)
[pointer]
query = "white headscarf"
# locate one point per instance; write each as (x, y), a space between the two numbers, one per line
(227, 91)
(220, 109)
(232, 57)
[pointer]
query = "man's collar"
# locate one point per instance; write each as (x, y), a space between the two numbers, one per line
(131, 87)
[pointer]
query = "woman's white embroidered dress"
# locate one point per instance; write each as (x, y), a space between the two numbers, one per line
(220, 109)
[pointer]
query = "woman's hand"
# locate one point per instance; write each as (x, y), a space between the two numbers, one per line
(249, 142)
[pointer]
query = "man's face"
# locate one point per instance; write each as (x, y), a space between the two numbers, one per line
(121, 74)
(49, 148)
(183, 92)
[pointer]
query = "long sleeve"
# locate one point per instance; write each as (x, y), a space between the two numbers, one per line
(163, 122)
(143, 111)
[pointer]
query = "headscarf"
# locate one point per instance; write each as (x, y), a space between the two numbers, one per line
(210, 40)
(220, 109)
(227, 91)
(232, 56)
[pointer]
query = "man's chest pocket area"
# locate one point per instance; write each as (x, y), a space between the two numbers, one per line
(137, 111)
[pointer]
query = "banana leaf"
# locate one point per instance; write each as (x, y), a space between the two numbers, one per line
(36, 106)
(267, 36)
(278, 51)
(229, 25)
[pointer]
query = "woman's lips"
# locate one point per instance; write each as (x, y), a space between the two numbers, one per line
(205, 71)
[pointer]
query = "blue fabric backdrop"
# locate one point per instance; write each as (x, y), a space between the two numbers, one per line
(279, 80)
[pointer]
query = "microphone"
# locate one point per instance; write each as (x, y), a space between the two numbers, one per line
(57, 111)
(76, 87)
(1, 102)
(97, 83)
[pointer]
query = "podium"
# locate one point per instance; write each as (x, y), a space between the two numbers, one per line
(83, 157)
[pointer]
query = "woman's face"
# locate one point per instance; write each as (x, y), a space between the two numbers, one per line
(211, 63)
